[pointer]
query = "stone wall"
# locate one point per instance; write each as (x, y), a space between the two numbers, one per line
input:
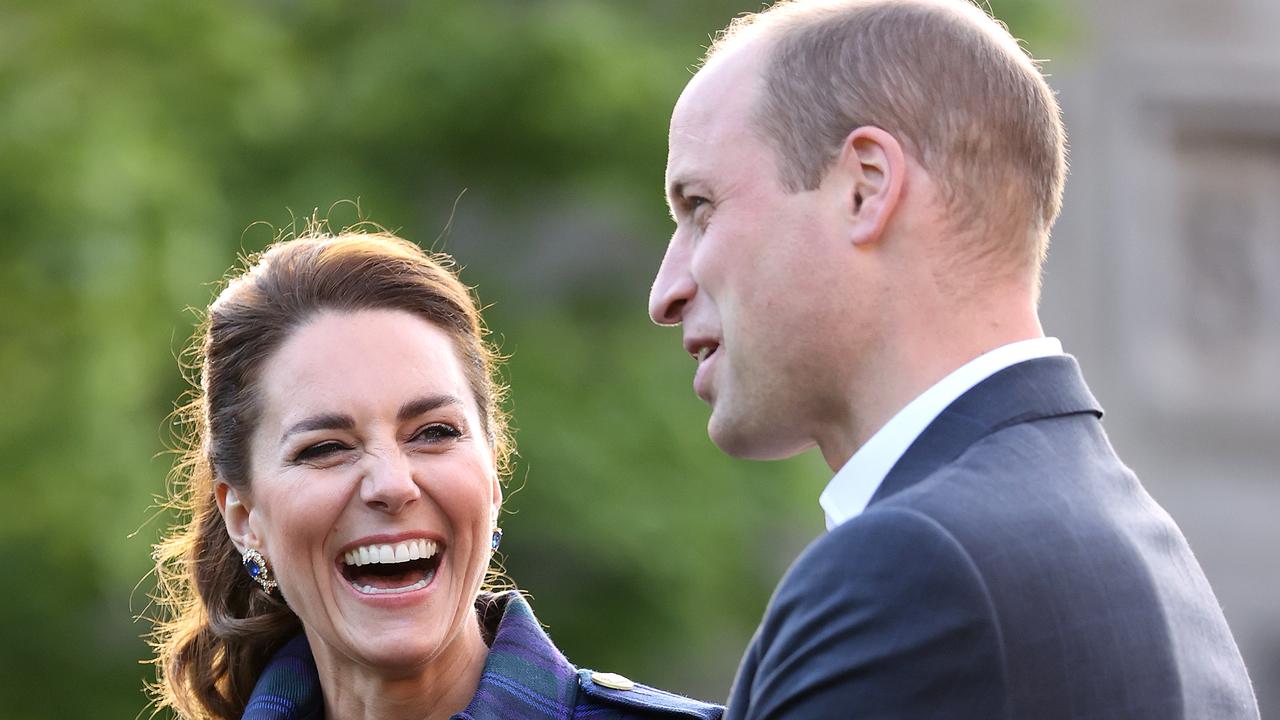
(1164, 277)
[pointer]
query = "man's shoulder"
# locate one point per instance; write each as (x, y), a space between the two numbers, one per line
(885, 613)
(981, 515)
(1058, 472)
(863, 560)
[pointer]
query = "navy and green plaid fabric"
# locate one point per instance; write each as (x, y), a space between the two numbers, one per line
(525, 678)
(289, 687)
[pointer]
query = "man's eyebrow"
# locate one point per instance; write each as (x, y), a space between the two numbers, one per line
(427, 403)
(323, 421)
(676, 190)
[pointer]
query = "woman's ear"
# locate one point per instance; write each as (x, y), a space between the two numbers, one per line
(875, 165)
(235, 515)
(497, 501)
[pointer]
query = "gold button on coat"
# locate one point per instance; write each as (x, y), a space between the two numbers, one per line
(612, 681)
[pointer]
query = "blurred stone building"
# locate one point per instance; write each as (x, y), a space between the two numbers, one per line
(1164, 276)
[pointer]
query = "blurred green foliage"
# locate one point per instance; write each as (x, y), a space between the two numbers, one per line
(140, 141)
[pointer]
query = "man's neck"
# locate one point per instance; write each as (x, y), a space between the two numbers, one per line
(925, 350)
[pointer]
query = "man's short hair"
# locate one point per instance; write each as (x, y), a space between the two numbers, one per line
(943, 77)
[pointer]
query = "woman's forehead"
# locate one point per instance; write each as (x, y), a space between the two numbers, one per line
(369, 361)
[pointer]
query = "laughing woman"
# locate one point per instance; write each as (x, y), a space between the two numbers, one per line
(342, 491)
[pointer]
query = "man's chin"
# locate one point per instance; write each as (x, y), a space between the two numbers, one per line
(747, 442)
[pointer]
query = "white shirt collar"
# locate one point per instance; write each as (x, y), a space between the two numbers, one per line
(848, 493)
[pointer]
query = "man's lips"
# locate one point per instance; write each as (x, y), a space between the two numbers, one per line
(705, 354)
(700, 348)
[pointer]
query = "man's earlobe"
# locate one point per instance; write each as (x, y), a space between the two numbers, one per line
(876, 166)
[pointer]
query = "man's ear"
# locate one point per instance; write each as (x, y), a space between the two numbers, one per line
(875, 164)
(235, 511)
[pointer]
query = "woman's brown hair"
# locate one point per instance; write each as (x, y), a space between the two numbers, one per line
(217, 628)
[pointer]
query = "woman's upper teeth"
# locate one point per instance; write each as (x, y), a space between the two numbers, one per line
(395, 553)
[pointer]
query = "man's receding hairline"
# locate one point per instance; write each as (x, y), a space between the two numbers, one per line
(1001, 63)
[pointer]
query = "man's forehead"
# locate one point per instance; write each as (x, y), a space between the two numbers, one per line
(728, 83)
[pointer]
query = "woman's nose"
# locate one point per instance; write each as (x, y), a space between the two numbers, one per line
(388, 484)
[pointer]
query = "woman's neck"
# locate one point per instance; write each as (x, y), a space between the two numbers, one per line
(436, 691)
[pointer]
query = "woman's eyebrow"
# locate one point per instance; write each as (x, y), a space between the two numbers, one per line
(416, 407)
(324, 421)
(338, 421)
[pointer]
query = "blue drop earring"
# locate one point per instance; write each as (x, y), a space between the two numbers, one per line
(497, 539)
(257, 567)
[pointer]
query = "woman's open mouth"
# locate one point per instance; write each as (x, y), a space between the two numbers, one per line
(392, 568)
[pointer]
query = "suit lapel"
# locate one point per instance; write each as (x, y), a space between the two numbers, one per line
(1031, 390)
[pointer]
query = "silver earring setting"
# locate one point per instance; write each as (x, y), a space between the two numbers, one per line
(497, 538)
(257, 567)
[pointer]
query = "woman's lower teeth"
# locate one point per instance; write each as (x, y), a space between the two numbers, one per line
(371, 590)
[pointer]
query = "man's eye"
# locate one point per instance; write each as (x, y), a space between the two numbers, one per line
(437, 432)
(320, 451)
(696, 202)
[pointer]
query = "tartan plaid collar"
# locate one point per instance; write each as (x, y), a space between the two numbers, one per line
(524, 676)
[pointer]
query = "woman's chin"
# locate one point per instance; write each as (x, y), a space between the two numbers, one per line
(395, 656)
(393, 627)
(390, 649)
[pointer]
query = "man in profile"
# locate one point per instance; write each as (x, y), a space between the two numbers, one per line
(863, 193)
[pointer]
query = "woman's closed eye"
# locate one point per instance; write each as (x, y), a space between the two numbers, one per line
(320, 451)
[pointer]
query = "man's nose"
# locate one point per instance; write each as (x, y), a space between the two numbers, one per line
(388, 484)
(672, 288)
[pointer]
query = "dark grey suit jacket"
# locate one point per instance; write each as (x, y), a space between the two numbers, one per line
(1010, 566)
